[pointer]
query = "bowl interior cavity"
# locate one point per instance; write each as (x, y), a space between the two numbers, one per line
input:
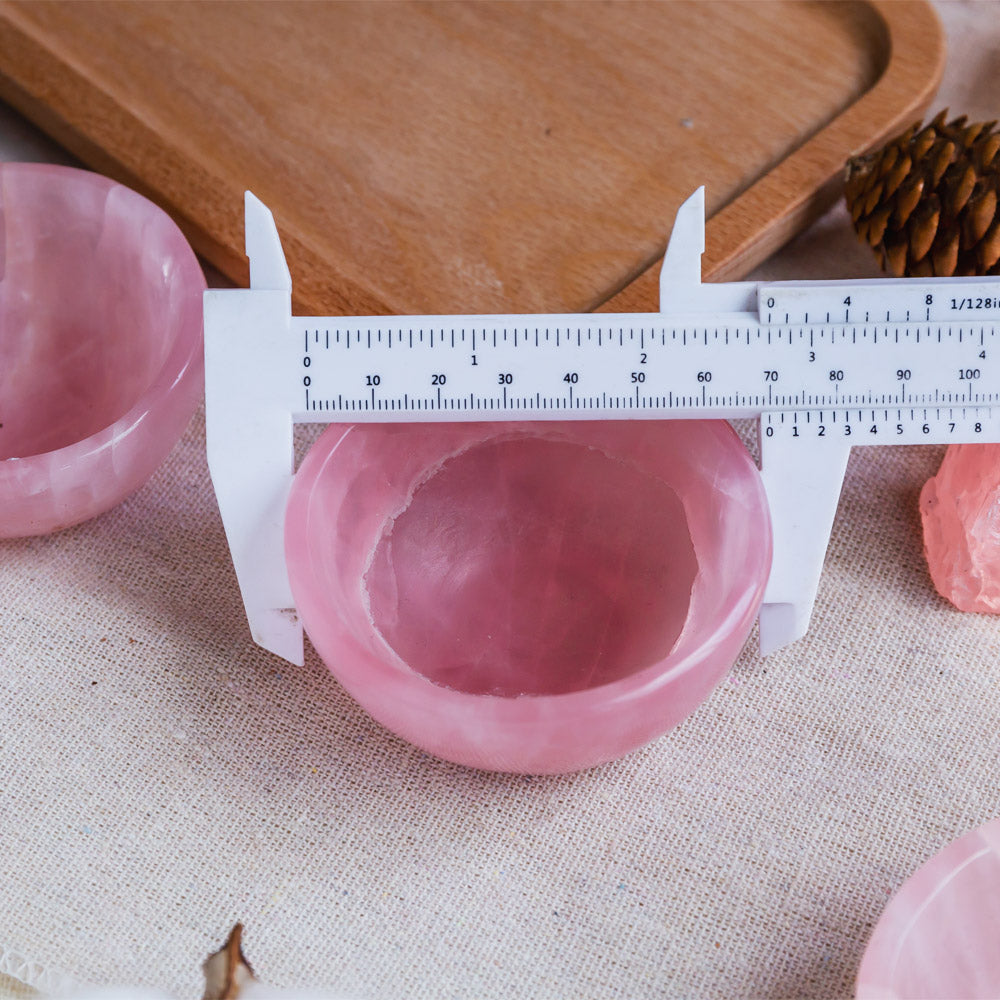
(532, 566)
(87, 291)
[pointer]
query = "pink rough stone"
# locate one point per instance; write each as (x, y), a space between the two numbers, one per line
(938, 936)
(960, 510)
(100, 344)
(530, 597)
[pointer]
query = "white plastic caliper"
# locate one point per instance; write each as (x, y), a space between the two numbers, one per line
(824, 365)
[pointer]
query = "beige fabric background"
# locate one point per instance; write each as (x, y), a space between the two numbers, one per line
(161, 778)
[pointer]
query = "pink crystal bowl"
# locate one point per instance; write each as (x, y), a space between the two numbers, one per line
(529, 597)
(100, 344)
(938, 937)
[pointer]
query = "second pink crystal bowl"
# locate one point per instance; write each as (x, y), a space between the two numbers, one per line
(100, 344)
(938, 936)
(529, 597)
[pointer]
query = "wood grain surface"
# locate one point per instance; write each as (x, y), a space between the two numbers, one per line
(449, 157)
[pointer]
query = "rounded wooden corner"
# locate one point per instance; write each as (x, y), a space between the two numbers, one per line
(805, 184)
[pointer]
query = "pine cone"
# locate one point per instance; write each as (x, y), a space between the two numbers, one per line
(926, 202)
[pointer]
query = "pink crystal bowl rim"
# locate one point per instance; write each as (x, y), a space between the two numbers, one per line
(880, 963)
(688, 653)
(183, 360)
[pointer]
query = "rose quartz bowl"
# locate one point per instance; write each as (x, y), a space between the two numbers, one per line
(100, 344)
(940, 934)
(529, 597)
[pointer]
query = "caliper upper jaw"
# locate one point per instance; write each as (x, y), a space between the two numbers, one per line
(248, 427)
(681, 289)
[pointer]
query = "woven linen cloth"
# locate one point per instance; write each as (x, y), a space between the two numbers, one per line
(161, 777)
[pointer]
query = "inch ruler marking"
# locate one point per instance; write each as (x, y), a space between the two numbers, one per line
(824, 365)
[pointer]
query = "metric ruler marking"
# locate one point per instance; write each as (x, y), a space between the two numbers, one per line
(438, 358)
(823, 365)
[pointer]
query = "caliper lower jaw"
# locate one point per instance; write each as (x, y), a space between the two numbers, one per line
(803, 487)
(248, 428)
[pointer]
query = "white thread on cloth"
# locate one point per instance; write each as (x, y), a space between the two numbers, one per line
(33, 975)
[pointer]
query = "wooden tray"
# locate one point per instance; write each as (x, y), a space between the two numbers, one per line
(474, 156)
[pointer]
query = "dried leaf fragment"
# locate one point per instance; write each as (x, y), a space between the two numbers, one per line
(227, 971)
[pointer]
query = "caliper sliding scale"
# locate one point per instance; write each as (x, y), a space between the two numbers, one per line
(824, 365)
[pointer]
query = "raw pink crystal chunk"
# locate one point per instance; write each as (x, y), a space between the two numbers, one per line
(960, 509)
(532, 597)
(938, 936)
(100, 344)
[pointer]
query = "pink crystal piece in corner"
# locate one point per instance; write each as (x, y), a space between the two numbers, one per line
(101, 362)
(960, 510)
(938, 936)
(529, 597)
